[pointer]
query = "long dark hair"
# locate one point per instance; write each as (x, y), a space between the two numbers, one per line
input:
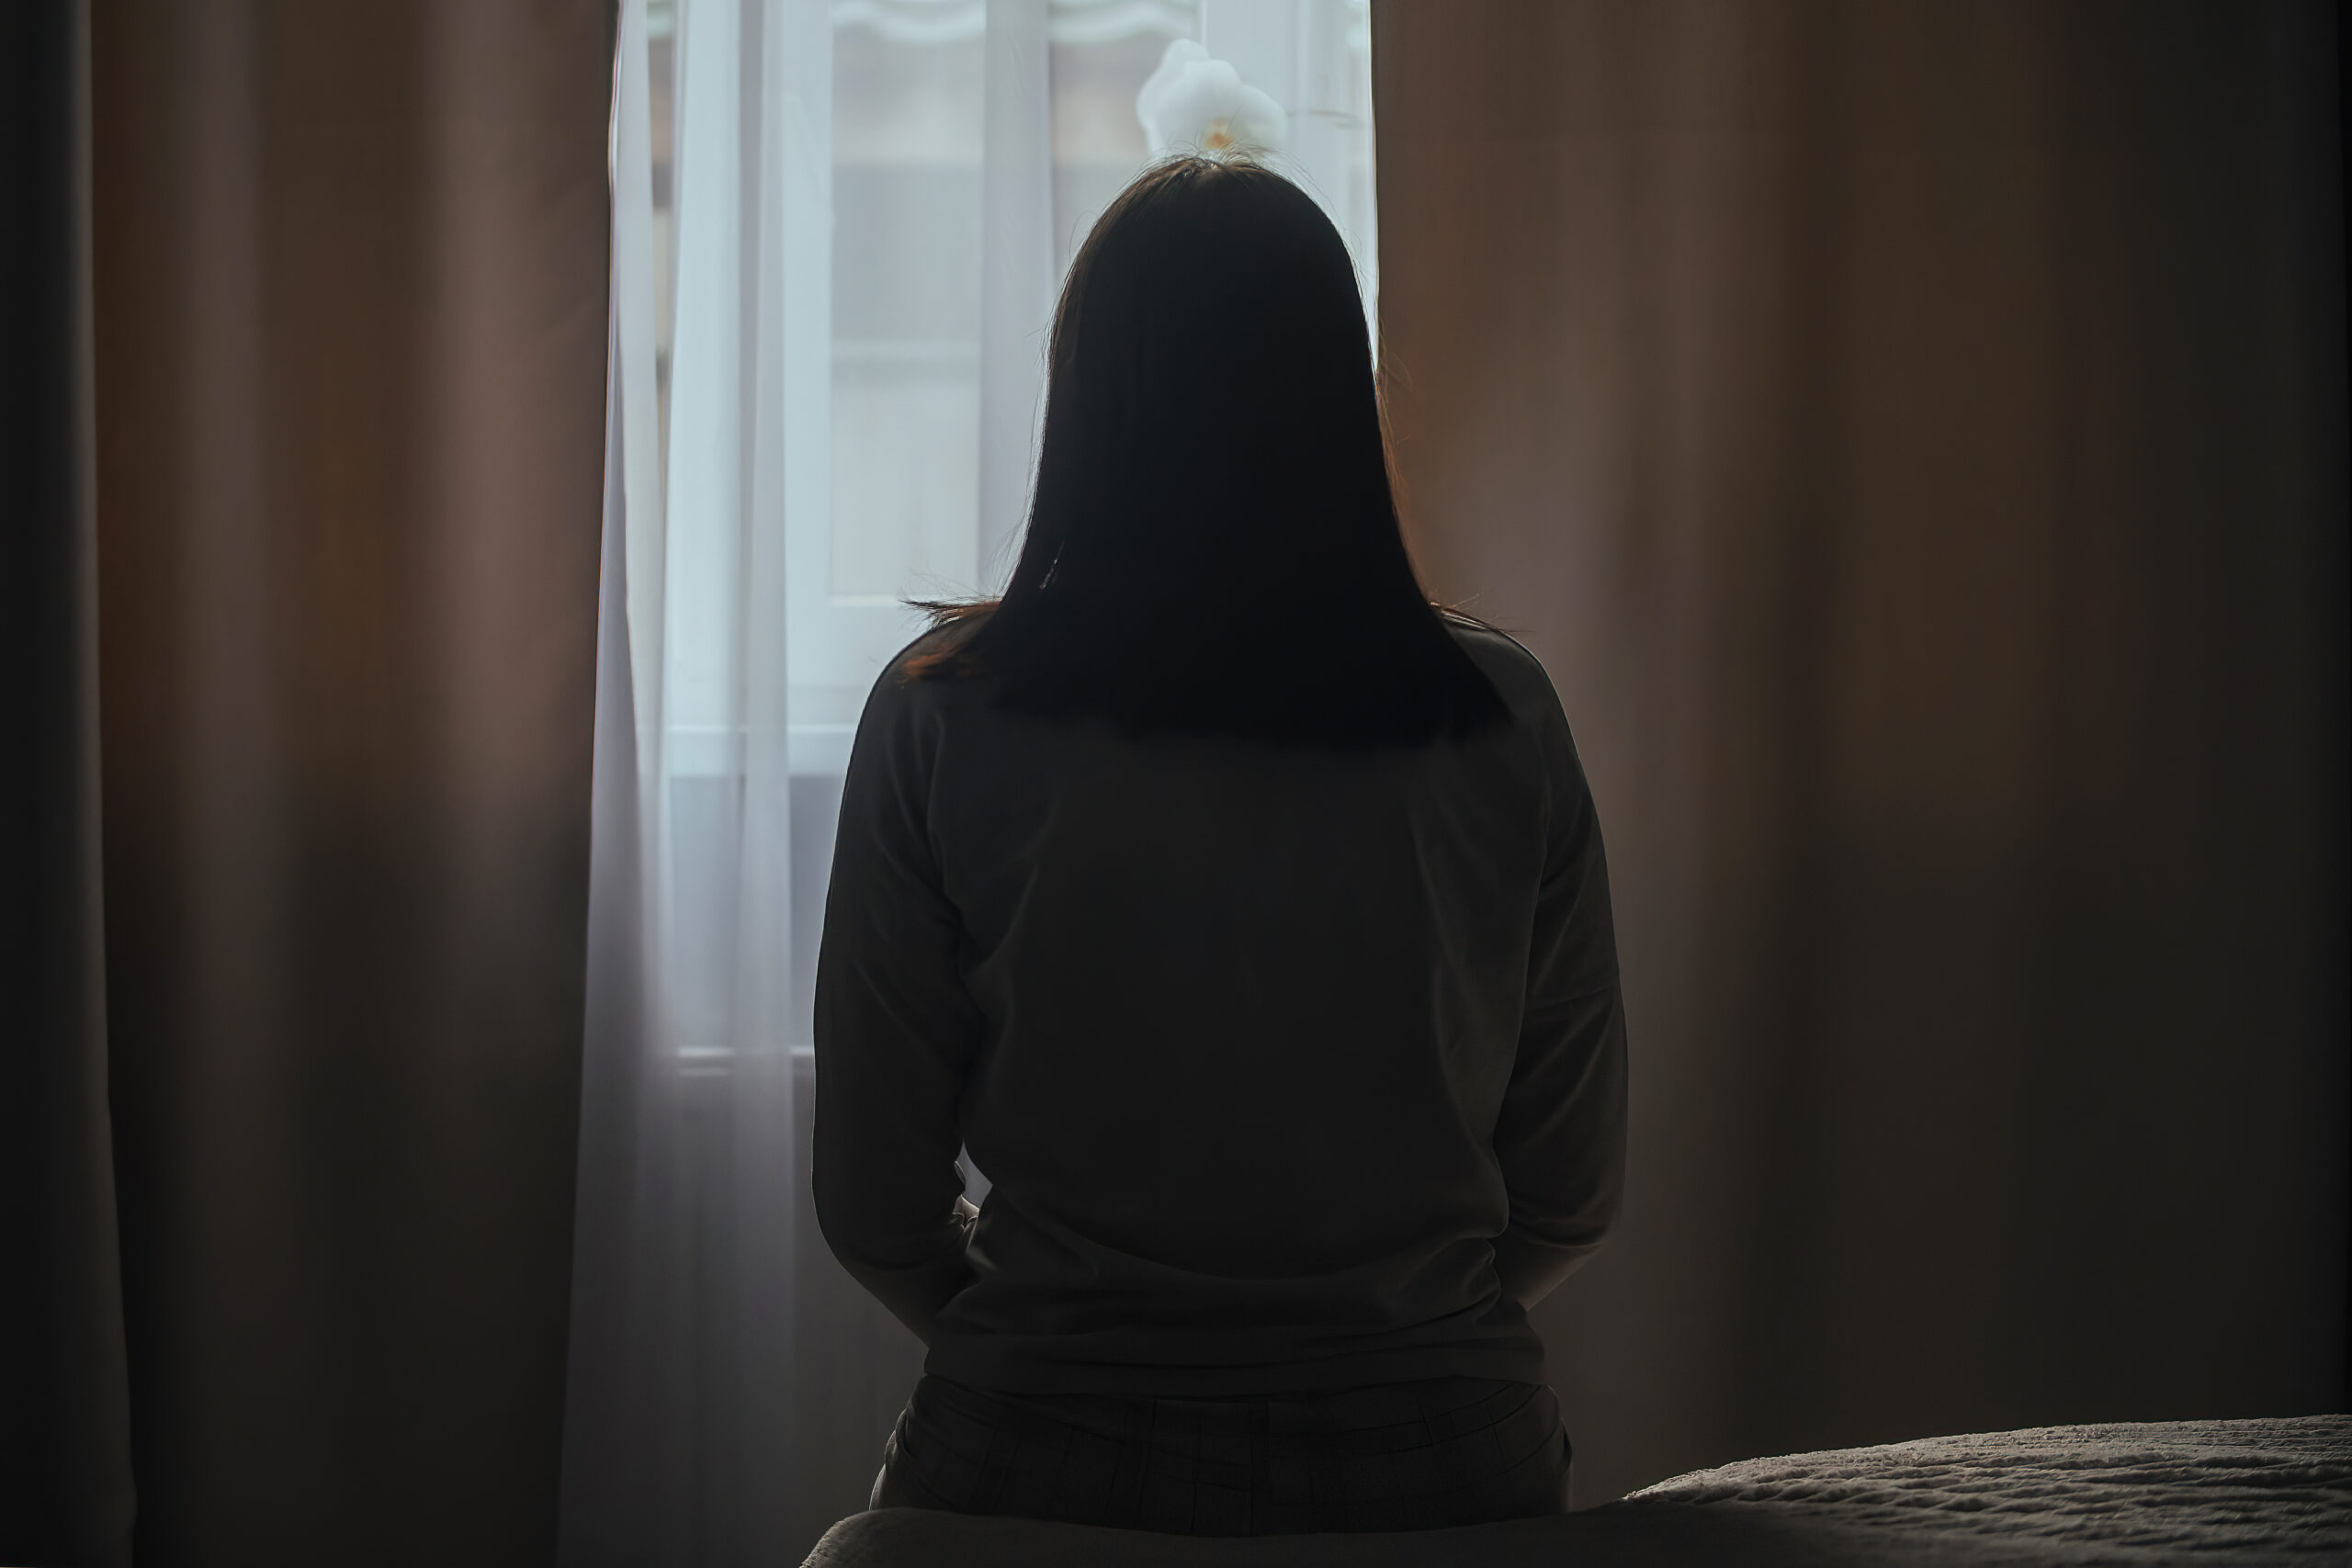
(1213, 545)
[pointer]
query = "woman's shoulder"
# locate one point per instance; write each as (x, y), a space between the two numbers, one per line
(928, 656)
(1510, 663)
(900, 687)
(922, 676)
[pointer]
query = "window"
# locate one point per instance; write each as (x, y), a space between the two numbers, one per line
(857, 215)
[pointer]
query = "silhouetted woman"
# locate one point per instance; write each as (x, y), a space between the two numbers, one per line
(1244, 913)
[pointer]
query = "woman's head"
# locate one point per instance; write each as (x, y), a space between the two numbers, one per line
(1213, 543)
(1211, 389)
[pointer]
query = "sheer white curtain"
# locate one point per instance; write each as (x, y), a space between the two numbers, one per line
(838, 229)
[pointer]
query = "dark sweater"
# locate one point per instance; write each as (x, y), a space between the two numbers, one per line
(1291, 1068)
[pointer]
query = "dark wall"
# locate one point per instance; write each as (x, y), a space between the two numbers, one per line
(1913, 438)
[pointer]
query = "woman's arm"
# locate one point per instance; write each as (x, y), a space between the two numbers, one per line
(895, 1030)
(1560, 1137)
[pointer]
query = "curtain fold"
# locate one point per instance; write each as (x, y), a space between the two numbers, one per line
(1914, 437)
(349, 272)
(65, 1482)
(678, 1440)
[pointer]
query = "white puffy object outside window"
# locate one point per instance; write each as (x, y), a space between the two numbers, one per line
(1196, 103)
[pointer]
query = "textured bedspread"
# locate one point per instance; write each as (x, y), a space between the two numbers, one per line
(2228, 1494)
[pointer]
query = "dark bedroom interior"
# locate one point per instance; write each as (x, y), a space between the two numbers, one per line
(472, 981)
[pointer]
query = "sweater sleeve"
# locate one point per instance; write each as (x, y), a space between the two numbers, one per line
(1561, 1135)
(896, 1029)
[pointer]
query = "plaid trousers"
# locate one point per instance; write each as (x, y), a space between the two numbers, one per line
(1422, 1455)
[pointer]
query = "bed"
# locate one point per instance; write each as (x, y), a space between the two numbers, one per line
(2228, 1494)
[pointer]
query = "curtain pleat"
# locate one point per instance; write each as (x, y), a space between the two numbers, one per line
(349, 267)
(1914, 437)
(626, 1475)
(65, 1483)
(685, 1428)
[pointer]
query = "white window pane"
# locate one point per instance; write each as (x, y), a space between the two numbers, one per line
(907, 192)
(905, 451)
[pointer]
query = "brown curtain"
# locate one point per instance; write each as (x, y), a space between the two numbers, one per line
(65, 1488)
(1913, 436)
(349, 271)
